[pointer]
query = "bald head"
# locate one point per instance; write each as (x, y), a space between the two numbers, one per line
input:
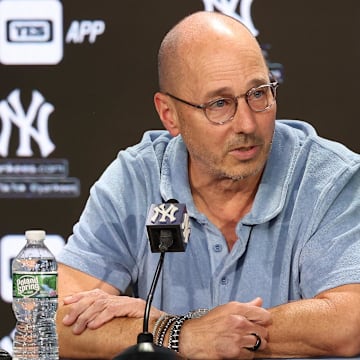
(197, 36)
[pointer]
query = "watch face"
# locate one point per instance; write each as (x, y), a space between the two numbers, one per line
(197, 313)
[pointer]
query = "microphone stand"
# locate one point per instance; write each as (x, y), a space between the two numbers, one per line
(146, 336)
(145, 347)
(164, 238)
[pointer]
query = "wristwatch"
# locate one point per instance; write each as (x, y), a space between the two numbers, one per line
(196, 313)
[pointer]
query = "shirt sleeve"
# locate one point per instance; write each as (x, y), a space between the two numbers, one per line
(331, 256)
(109, 242)
(105, 241)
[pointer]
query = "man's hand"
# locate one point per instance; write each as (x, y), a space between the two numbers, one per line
(92, 309)
(226, 332)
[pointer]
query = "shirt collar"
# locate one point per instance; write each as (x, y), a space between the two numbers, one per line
(271, 195)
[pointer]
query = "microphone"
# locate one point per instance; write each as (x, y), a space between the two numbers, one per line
(168, 230)
(168, 227)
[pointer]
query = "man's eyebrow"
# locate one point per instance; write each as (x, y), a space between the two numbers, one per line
(217, 92)
(227, 90)
(257, 82)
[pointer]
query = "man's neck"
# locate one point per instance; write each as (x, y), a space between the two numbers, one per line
(224, 201)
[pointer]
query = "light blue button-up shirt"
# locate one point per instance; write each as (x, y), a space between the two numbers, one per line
(301, 237)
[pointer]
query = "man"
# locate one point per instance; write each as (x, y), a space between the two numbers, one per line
(274, 251)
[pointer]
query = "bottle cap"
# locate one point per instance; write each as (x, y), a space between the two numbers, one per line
(35, 235)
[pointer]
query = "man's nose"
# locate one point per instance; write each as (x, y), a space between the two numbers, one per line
(244, 120)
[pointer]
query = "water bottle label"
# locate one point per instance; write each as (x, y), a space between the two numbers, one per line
(34, 285)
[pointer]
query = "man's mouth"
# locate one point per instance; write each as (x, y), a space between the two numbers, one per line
(245, 152)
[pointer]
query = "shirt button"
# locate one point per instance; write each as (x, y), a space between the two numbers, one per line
(224, 281)
(217, 247)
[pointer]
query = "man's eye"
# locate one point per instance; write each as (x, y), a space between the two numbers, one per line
(257, 94)
(219, 103)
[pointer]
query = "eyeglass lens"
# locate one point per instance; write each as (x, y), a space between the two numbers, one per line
(259, 99)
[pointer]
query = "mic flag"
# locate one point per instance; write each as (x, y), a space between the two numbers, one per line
(168, 227)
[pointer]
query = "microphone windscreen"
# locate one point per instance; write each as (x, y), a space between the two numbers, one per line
(169, 219)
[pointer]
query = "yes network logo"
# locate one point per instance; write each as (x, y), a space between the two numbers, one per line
(31, 32)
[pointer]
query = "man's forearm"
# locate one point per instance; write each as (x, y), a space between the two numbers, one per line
(102, 343)
(325, 326)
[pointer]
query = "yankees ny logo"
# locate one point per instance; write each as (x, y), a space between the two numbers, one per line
(165, 213)
(13, 113)
(228, 7)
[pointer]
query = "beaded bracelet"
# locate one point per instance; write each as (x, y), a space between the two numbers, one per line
(175, 330)
(158, 324)
(164, 328)
(165, 321)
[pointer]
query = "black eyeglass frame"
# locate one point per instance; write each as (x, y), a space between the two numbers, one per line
(272, 85)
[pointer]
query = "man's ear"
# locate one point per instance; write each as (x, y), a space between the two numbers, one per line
(167, 113)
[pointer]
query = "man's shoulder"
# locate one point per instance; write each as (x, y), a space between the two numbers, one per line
(304, 166)
(152, 139)
(313, 147)
(151, 147)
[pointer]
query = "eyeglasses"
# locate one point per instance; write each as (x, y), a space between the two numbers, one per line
(223, 110)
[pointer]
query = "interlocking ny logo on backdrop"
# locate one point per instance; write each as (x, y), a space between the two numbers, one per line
(238, 9)
(241, 10)
(32, 125)
(26, 177)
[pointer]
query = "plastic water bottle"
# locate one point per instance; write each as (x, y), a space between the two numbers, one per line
(34, 272)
